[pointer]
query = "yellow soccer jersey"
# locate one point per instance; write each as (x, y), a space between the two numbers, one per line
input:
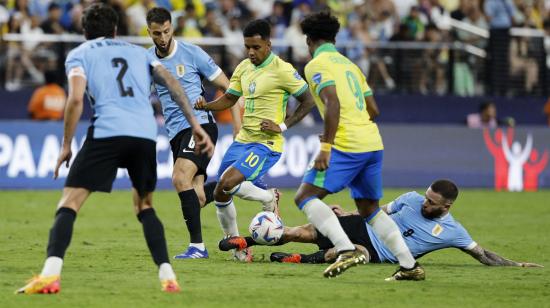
(356, 132)
(266, 89)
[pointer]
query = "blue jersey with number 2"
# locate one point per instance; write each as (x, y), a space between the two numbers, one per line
(118, 76)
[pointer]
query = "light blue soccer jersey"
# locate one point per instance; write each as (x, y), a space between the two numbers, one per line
(118, 76)
(421, 235)
(189, 64)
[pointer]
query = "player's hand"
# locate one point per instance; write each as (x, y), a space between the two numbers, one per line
(338, 210)
(527, 264)
(200, 103)
(321, 162)
(203, 144)
(64, 156)
(269, 126)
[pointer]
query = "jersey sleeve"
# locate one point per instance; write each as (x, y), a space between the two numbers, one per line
(235, 87)
(75, 64)
(292, 82)
(318, 77)
(367, 91)
(152, 60)
(206, 65)
(412, 199)
(462, 239)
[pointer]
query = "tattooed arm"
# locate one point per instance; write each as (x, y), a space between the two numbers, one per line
(492, 259)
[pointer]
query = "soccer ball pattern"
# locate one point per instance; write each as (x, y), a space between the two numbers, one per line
(266, 228)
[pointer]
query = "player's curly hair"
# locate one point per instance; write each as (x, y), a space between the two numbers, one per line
(446, 188)
(258, 27)
(320, 26)
(99, 20)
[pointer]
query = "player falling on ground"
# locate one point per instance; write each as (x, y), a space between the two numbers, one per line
(351, 151)
(116, 76)
(266, 82)
(425, 222)
(190, 65)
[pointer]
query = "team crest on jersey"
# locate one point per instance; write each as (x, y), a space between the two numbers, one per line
(252, 87)
(180, 70)
(437, 230)
(297, 76)
(317, 78)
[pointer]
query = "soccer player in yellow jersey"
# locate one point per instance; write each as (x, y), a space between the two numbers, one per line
(351, 151)
(266, 82)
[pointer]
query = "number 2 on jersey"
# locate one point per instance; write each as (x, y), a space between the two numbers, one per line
(356, 89)
(123, 68)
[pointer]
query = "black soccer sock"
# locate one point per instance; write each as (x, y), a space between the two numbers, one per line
(249, 241)
(154, 235)
(209, 191)
(61, 232)
(314, 258)
(191, 210)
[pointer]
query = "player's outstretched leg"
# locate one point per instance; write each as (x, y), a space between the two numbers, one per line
(153, 231)
(49, 280)
(324, 219)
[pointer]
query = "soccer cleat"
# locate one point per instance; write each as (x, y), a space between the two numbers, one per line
(170, 286)
(41, 285)
(193, 253)
(284, 257)
(273, 205)
(344, 261)
(244, 255)
(232, 242)
(415, 273)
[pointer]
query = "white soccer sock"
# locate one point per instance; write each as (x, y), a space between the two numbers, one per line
(387, 231)
(52, 266)
(227, 216)
(198, 245)
(322, 217)
(248, 191)
(166, 272)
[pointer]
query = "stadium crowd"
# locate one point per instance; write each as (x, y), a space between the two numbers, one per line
(365, 22)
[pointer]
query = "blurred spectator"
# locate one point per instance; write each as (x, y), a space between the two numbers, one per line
(137, 14)
(47, 102)
(547, 111)
(522, 64)
(473, 16)
(211, 27)
(434, 62)
(187, 25)
(52, 25)
(415, 24)
(436, 14)
(4, 15)
(502, 15)
(260, 8)
(122, 27)
(403, 7)
(487, 117)
(234, 34)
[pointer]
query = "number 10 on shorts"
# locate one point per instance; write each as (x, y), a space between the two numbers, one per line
(252, 159)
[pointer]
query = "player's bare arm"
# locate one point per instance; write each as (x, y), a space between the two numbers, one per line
(372, 107)
(492, 259)
(202, 140)
(305, 104)
(222, 83)
(73, 111)
(223, 102)
(331, 118)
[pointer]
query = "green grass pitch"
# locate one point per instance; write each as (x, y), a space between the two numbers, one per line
(108, 263)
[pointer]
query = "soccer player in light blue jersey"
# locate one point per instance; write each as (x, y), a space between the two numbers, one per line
(189, 64)
(424, 221)
(116, 76)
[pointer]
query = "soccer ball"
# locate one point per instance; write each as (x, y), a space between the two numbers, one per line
(266, 228)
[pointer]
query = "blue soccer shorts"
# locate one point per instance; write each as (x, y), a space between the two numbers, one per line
(361, 172)
(253, 160)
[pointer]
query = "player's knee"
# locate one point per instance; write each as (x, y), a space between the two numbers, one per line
(182, 181)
